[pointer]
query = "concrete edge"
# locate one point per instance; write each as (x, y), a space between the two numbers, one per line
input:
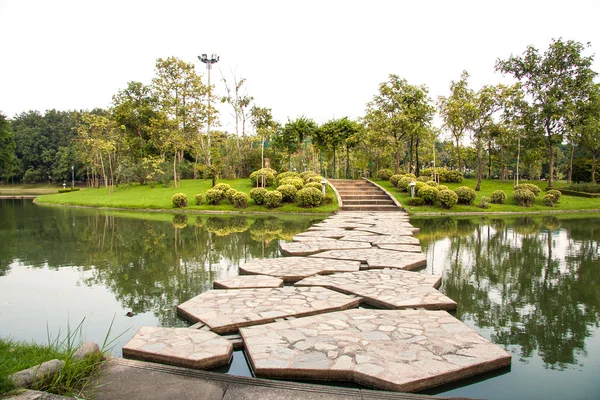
(337, 194)
(19, 196)
(394, 199)
(500, 213)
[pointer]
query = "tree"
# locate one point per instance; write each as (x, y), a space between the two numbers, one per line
(288, 138)
(588, 126)
(553, 82)
(8, 159)
(335, 133)
(262, 120)
(457, 111)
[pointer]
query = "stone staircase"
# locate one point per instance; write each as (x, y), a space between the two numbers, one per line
(362, 195)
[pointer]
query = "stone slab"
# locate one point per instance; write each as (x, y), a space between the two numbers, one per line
(400, 350)
(292, 269)
(183, 347)
(378, 258)
(225, 311)
(407, 248)
(318, 235)
(328, 224)
(391, 229)
(316, 246)
(387, 288)
(248, 282)
(385, 239)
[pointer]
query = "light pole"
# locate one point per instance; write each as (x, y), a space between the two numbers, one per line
(209, 62)
(72, 177)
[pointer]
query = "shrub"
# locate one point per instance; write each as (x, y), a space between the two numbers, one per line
(309, 197)
(258, 195)
(307, 174)
(68, 190)
(240, 200)
(273, 199)
(180, 221)
(271, 170)
(442, 187)
(451, 176)
(555, 193)
(466, 195)
(180, 200)
(385, 174)
(484, 202)
(222, 187)
(429, 194)
(288, 193)
(298, 183)
(327, 199)
(403, 183)
(432, 183)
(423, 178)
(523, 197)
(257, 177)
(229, 195)
(418, 186)
(314, 178)
(528, 186)
(498, 197)
(549, 200)
(585, 187)
(213, 196)
(198, 199)
(447, 198)
(288, 174)
(415, 201)
(395, 178)
(413, 176)
(315, 185)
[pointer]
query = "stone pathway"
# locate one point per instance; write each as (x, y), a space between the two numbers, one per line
(316, 246)
(292, 269)
(378, 258)
(248, 282)
(384, 239)
(387, 288)
(401, 350)
(225, 311)
(179, 346)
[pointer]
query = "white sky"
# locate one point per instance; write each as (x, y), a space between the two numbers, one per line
(321, 59)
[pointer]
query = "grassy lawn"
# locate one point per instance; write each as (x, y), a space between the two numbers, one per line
(487, 187)
(159, 198)
(25, 189)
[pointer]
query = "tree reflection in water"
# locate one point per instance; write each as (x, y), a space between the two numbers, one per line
(533, 282)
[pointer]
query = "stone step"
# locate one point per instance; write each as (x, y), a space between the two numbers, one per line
(364, 192)
(368, 202)
(370, 208)
(366, 197)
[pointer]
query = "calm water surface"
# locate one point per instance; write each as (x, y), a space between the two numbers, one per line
(531, 285)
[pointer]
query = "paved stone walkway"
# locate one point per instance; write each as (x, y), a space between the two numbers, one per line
(384, 239)
(316, 246)
(378, 258)
(332, 233)
(387, 288)
(225, 311)
(292, 269)
(401, 350)
(183, 347)
(248, 282)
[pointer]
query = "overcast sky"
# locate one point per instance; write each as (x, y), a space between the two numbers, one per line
(321, 59)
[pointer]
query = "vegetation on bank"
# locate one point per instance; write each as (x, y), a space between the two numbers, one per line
(136, 196)
(489, 186)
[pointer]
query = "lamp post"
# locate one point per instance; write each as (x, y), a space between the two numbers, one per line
(72, 177)
(412, 185)
(209, 62)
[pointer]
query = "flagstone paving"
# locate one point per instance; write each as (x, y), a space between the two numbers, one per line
(387, 288)
(248, 281)
(292, 269)
(401, 350)
(317, 246)
(384, 239)
(390, 229)
(377, 258)
(407, 248)
(183, 347)
(320, 235)
(225, 311)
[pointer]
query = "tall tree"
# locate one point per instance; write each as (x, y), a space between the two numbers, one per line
(8, 158)
(289, 138)
(554, 82)
(588, 126)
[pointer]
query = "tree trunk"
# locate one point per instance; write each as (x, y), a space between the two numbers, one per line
(410, 158)
(571, 164)
(479, 164)
(489, 159)
(347, 162)
(594, 168)
(175, 169)
(334, 177)
(551, 179)
(418, 167)
(458, 153)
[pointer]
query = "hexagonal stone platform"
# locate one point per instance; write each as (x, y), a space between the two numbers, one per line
(316, 246)
(183, 347)
(225, 311)
(401, 350)
(292, 269)
(248, 282)
(387, 288)
(378, 258)
(384, 239)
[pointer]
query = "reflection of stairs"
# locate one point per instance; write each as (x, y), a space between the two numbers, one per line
(361, 195)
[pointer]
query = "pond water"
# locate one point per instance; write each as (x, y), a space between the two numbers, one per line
(531, 285)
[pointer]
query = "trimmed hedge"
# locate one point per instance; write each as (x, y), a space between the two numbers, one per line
(415, 201)
(395, 178)
(549, 200)
(213, 196)
(68, 190)
(447, 198)
(403, 183)
(385, 174)
(580, 194)
(523, 197)
(555, 193)
(198, 199)
(528, 186)
(240, 200)
(309, 197)
(229, 195)
(257, 177)
(180, 200)
(498, 197)
(273, 199)
(429, 194)
(288, 174)
(465, 194)
(307, 174)
(314, 178)
(298, 183)
(258, 195)
(288, 193)
(313, 185)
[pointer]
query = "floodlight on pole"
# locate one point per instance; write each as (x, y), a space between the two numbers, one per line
(209, 62)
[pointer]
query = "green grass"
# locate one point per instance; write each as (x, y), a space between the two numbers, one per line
(159, 198)
(487, 187)
(25, 189)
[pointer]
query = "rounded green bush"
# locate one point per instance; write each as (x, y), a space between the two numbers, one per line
(531, 187)
(442, 187)
(423, 178)
(222, 187)
(411, 175)
(288, 193)
(415, 201)
(498, 197)
(395, 178)
(180, 200)
(240, 200)
(273, 199)
(298, 183)
(385, 174)
(314, 178)
(213, 196)
(288, 174)
(432, 183)
(418, 186)
(555, 193)
(429, 194)
(198, 199)
(229, 195)
(549, 200)
(315, 185)
(309, 197)
(484, 202)
(257, 177)
(327, 199)
(466, 195)
(307, 174)
(523, 197)
(447, 198)
(258, 195)
(403, 183)
(451, 176)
